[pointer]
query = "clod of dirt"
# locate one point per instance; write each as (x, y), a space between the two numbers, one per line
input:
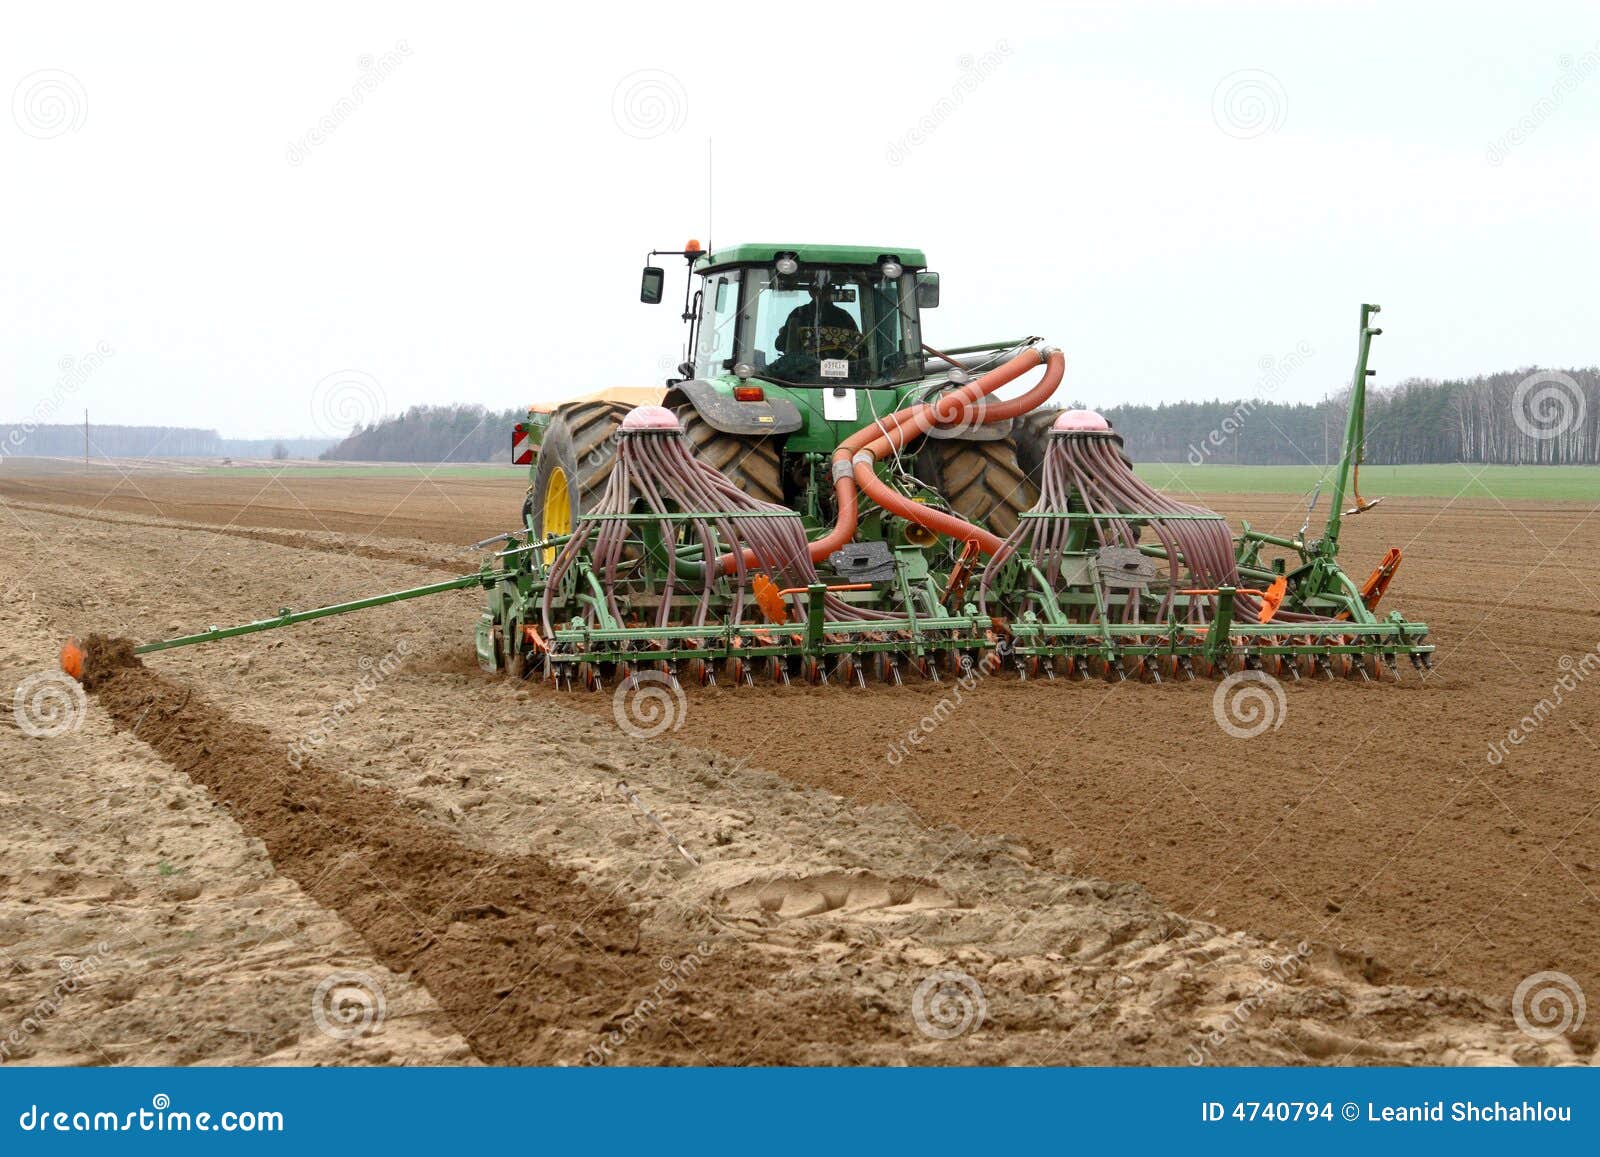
(104, 656)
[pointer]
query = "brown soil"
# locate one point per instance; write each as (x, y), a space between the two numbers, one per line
(827, 893)
(452, 510)
(520, 956)
(104, 657)
(1371, 818)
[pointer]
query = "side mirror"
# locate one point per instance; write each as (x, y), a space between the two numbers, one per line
(651, 285)
(927, 290)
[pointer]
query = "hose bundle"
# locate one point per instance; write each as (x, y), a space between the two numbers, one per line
(656, 473)
(1086, 474)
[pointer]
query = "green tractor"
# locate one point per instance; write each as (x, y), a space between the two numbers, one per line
(791, 349)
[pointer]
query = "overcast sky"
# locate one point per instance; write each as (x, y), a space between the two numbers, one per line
(451, 202)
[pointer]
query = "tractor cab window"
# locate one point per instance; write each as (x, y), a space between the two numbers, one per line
(830, 327)
(719, 325)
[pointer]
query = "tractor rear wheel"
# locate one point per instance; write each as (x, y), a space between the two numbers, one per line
(1031, 433)
(749, 461)
(982, 481)
(575, 461)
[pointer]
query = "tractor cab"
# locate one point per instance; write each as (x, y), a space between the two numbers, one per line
(804, 316)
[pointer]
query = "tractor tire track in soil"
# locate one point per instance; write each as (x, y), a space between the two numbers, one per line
(529, 965)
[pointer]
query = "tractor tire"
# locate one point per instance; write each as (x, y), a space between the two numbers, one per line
(750, 462)
(1031, 432)
(982, 481)
(575, 460)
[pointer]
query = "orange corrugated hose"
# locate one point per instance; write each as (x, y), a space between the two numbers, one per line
(855, 456)
(917, 423)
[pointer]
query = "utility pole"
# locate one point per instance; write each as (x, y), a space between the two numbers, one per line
(86, 439)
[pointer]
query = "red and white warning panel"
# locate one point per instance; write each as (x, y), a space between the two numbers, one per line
(521, 445)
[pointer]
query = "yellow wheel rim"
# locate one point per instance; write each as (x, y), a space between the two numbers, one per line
(557, 510)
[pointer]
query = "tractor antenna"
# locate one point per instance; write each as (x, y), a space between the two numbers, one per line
(710, 185)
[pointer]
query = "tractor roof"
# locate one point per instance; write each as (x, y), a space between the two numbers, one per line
(764, 254)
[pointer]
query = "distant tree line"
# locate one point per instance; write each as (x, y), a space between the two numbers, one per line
(1548, 417)
(457, 433)
(1517, 417)
(25, 440)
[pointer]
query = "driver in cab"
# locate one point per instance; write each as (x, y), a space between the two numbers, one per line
(818, 325)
